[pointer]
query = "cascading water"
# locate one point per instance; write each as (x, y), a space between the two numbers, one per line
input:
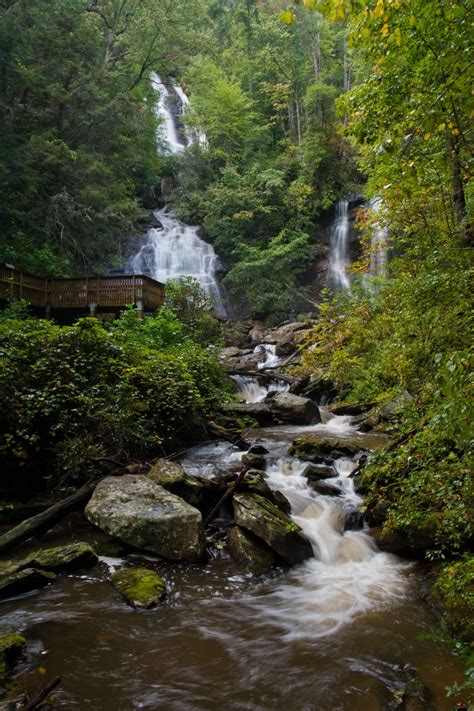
(339, 248)
(167, 130)
(267, 351)
(252, 390)
(348, 575)
(176, 250)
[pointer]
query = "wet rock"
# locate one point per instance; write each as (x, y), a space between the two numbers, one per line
(196, 491)
(254, 461)
(250, 551)
(315, 472)
(343, 408)
(22, 581)
(254, 483)
(258, 449)
(408, 691)
(258, 411)
(325, 489)
(317, 448)
(12, 650)
(137, 511)
(377, 512)
(61, 559)
(354, 521)
(400, 544)
(140, 587)
(276, 529)
(293, 409)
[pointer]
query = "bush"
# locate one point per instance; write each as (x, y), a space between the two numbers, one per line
(76, 397)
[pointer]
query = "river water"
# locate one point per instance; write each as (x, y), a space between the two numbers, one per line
(332, 633)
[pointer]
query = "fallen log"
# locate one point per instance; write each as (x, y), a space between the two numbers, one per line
(227, 494)
(276, 375)
(42, 694)
(46, 519)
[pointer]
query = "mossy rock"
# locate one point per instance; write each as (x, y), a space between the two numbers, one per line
(62, 559)
(12, 649)
(249, 551)
(254, 483)
(198, 492)
(262, 518)
(16, 582)
(140, 587)
(314, 449)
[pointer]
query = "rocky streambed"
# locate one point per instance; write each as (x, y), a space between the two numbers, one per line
(242, 575)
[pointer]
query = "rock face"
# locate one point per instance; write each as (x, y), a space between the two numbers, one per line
(249, 551)
(258, 411)
(254, 483)
(293, 409)
(266, 521)
(140, 587)
(196, 491)
(137, 511)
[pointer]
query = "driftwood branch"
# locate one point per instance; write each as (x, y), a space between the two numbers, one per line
(46, 519)
(264, 376)
(226, 495)
(42, 694)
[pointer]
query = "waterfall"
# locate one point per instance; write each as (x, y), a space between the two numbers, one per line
(339, 255)
(252, 390)
(163, 110)
(175, 251)
(378, 242)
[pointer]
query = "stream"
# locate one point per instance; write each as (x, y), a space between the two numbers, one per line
(339, 631)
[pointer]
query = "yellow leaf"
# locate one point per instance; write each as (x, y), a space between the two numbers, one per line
(398, 36)
(287, 17)
(42, 670)
(310, 3)
(427, 136)
(441, 127)
(455, 132)
(379, 9)
(413, 21)
(385, 30)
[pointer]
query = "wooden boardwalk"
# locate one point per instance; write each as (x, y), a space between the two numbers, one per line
(93, 293)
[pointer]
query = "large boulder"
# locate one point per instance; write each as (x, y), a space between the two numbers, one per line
(314, 449)
(140, 587)
(293, 409)
(316, 472)
(137, 511)
(196, 491)
(275, 528)
(254, 483)
(250, 551)
(258, 411)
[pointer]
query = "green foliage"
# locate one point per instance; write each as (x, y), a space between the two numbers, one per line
(191, 305)
(454, 589)
(77, 397)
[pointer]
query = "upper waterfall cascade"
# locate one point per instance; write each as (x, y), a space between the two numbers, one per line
(339, 255)
(176, 250)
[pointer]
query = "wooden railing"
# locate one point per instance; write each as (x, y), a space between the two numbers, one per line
(109, 291)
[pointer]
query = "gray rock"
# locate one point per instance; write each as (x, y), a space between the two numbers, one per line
(266, 521)
(293, 409)
(258, 411)
(254, 483)
(315, 472)
(250, 551)
(325, 489)
(21, 581)
(137, 511)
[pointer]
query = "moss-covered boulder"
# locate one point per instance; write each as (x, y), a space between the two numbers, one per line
(314, 449)
(12, 650)
(275, 528)
(62, 559)
(254, 483)
(453, 595)
(16, 582)
(250, 551)
(137, 511)
(316, 472)
(140, 587)
(198, 492)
